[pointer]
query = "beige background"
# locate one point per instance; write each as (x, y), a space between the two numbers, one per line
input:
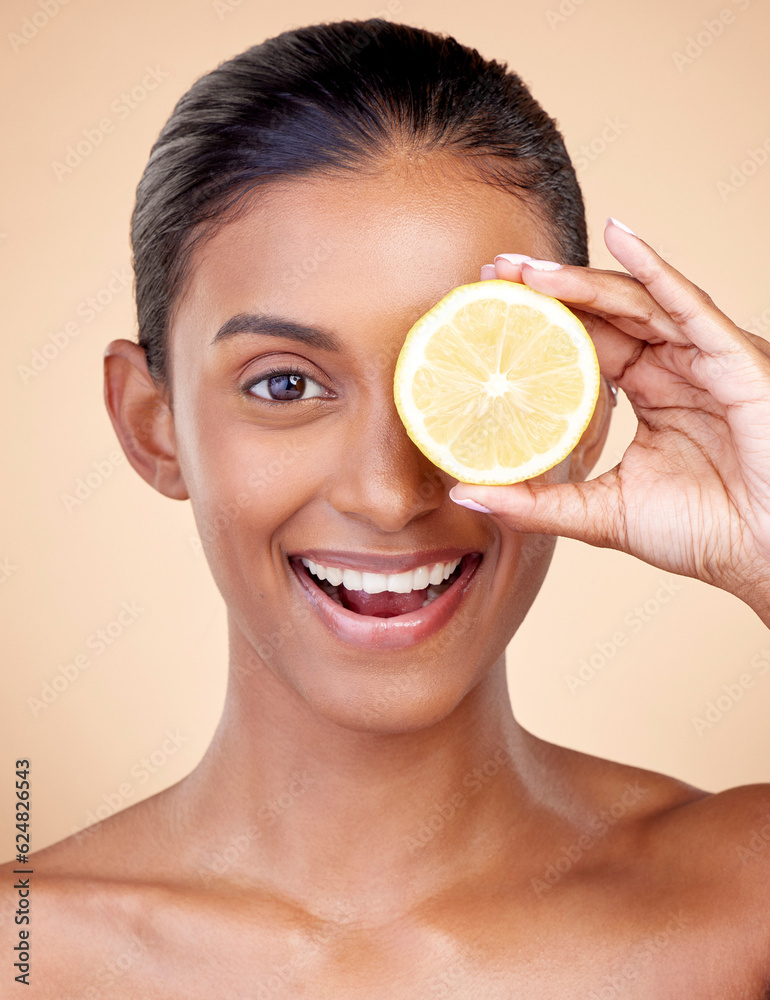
(652, 134)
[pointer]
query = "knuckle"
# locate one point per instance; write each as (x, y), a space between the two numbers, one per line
(703, 296)
(646, 315)
(687, 308)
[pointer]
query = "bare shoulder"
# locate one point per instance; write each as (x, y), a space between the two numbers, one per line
(724, 841)
(52, 909)
(96, 887)
(671, 850)
(728, 832)
(734, 822)
(725, 835)
(711, 853)
(121, 910)
(723, 838)
(97, 851)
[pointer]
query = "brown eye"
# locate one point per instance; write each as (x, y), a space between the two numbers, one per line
(283, 387)
(286, 386)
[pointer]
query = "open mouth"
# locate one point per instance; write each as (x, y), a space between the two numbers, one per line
(387, 603)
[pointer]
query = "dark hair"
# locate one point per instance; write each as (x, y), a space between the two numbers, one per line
(329, 98)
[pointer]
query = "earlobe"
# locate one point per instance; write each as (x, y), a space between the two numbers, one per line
(586, 452)
(142, 418)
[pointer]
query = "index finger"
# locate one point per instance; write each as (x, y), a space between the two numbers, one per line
(614, 296)
(654, 295)
(616, 348)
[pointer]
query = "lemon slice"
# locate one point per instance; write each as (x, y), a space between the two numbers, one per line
(497, 382)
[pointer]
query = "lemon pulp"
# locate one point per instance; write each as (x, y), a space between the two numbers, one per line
(497, 382)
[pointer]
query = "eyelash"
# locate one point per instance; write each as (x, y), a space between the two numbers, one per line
(271, 373)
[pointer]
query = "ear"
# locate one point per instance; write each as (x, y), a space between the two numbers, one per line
(141, 415)
(586, 452)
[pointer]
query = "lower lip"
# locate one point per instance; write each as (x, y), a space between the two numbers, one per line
(371, 632)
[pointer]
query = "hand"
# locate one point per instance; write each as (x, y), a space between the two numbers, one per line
(692, 491)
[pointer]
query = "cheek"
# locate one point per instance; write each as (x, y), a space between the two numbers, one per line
(525, 557)
(244, 482)
(534, 559)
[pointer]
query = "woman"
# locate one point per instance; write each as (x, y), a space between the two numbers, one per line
(370, 819)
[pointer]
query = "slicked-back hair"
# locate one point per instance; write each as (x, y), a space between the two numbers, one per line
(331, 99)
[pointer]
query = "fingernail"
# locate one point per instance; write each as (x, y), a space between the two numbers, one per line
(543, 265)
(470, 504)
(620, 225)
(512, 258)
(487, 272)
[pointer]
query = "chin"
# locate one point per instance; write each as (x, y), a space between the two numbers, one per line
(406, 698)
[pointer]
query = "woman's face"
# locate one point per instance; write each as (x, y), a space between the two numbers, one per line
(321, 466)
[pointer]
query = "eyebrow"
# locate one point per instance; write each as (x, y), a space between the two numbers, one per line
(276, 326)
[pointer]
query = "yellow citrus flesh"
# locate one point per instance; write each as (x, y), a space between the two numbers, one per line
(497, 382)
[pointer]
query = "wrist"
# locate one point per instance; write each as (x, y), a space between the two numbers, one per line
(757, 596)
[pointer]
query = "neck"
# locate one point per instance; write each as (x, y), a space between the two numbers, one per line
(289, 800)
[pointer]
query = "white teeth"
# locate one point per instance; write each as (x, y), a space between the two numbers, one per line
(374, 583)
(315, 569)
(401, 583)
(398, 583)
(351, 578)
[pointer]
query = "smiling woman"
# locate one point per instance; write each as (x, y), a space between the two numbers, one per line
(390, 828)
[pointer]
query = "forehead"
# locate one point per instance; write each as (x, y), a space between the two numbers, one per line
(349, 251)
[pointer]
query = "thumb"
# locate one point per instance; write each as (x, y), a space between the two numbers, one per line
(589, 512)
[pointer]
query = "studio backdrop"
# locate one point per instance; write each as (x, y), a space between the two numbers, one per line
(113, 633)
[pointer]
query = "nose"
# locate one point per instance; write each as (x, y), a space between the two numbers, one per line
(383, 478)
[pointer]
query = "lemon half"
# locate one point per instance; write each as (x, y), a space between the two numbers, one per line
(496, 383)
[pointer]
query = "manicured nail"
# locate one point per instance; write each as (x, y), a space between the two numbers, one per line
(543, 265)
(487, 272)
(470, 504)
(512, 258)
(620, 225)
